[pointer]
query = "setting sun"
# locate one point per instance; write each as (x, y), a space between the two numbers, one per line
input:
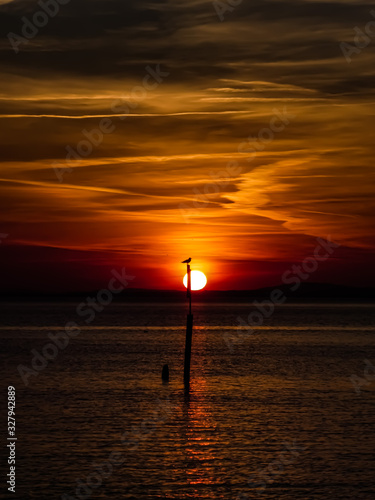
(198, 280)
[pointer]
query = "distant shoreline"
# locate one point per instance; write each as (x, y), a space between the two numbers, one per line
(307, 292)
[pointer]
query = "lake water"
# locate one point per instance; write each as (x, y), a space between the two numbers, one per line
(269, 415)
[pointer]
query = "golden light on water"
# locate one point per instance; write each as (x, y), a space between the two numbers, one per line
(198, 280)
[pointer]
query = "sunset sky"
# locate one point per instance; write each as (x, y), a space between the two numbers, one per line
(179, 92)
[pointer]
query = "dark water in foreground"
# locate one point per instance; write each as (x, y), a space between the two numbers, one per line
(275, 417)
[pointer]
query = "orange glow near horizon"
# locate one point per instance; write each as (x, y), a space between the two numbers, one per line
(198, 280)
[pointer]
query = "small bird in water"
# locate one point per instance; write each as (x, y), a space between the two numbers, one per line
(186, 261)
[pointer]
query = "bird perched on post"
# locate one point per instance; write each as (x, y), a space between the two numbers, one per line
(187, 261)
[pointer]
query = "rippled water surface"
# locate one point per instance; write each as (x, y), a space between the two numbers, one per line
(271, 413)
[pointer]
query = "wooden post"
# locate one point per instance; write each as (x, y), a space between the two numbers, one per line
(189, 287)
(189, 333)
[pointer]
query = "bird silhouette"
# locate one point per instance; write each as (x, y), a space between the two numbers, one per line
(186, 261)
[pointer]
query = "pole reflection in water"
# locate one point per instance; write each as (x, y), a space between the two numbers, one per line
(201, 436)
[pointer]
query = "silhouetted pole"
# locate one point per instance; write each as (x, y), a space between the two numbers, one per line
(189, 333)
(189, 287)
